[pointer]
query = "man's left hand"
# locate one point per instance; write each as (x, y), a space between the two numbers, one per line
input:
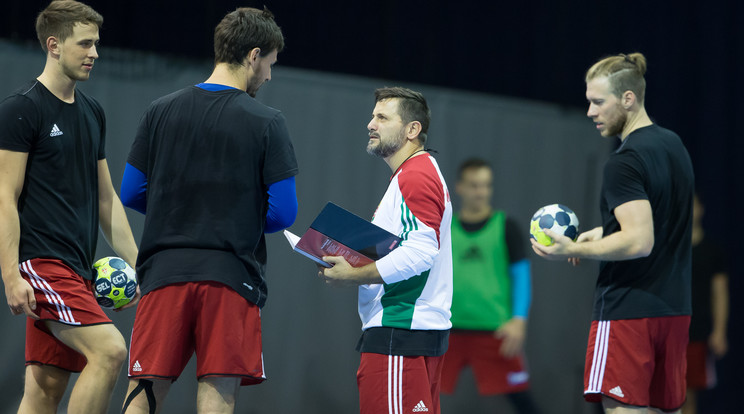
(343, 274)
(132, 303)
(718, 344)
(512, 333)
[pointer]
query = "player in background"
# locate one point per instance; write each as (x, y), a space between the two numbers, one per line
(491, 293)
(635, 360)
(405, 297)
(710, 306)
(55, 191)
(213, 169)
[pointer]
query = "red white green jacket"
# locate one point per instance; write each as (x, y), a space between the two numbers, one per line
(417, 288)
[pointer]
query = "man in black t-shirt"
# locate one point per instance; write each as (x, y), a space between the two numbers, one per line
(55, 191)
(638, 340)
(710, 304)
(213, 170)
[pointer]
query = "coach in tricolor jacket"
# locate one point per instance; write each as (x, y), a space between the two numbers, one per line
(405, 297)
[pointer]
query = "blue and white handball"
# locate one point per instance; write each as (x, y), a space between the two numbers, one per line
(557, 218)
(115, 284)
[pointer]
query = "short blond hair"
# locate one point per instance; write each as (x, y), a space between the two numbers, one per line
(625, 73)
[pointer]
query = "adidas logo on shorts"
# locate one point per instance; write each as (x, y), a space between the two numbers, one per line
(136, 367)
(55, 131)
(617, 391)
(420, 407)
(516, 378)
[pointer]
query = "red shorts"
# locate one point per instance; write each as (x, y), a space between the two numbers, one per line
(701, 367)
(639, 362)
(398, 384)
(61, 296)
(494, 373)
(208, 318)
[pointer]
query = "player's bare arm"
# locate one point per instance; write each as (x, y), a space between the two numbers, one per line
(114, 223)
(18, 292)
(635, 238)
(343, 274)
(718, 342)
(113, 218)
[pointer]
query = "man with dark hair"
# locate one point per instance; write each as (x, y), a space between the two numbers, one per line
(635, 359)
(492, 293)
(405, 297)
(213, 169)
(245, 31)
(55, 191)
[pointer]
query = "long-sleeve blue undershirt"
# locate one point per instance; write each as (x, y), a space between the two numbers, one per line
(282, 205)
(521, 288)
(281, 214)
(134, 189)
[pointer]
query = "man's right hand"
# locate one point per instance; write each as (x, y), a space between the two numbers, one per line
(20, 296)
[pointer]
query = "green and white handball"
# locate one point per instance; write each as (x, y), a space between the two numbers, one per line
(115, 284)
(557, 218)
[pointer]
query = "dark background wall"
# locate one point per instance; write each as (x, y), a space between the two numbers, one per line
(536, 50)
(460, 56)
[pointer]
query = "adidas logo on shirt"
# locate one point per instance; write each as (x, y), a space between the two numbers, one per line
(617, 391)
(420, 407)
(136, 367)
(55, 131)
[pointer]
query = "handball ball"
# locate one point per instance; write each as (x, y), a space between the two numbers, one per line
(557, 218)
(115, 284)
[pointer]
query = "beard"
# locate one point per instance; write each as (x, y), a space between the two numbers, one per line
(253, 87)
(615, 127)
(255, 83)
(386, 148)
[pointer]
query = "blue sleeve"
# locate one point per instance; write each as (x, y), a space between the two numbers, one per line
(521, 288)
(134, 189)
(282, 205)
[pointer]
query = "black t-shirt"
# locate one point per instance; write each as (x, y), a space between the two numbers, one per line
(209, 158)
(708, 259)
(652, 164)
(512, 233)
(58, 207)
